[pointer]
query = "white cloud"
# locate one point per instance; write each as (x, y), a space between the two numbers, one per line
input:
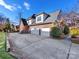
(7, 6)
(27, 5)
(19, 7)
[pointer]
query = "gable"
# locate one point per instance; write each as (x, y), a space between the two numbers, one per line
(23, 22)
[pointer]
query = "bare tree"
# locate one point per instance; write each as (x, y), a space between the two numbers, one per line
(7, 25)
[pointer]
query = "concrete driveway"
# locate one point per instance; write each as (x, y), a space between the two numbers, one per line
(28, 46)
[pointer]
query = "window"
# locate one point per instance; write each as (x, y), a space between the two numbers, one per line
(39, 18)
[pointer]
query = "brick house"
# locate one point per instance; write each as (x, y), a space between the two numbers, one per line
(17, 28)
(41, 24)
(23, 26)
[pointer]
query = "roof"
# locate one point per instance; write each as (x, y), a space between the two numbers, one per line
(31, 17)
(41, 13)
(49, 18)
(53, 16)
(24, 21)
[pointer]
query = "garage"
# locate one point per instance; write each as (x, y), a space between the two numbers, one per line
(36, 31)
(43, 31)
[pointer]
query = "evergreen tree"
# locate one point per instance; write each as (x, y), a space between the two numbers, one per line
(66, 30)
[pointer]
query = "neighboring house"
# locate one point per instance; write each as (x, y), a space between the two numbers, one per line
(41, 24)
(14, 28)
(17, 28)
(23, 26)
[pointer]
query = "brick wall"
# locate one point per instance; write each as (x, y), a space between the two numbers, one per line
(24, 27)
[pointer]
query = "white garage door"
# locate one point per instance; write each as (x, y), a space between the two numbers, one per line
(35, 31)
(42, 32)
(45, 32)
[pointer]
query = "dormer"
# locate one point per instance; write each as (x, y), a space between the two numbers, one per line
(31, 19)
(29, 22)
(40, 18)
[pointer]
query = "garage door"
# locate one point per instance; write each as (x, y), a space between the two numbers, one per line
(45, 32)
(36, 31)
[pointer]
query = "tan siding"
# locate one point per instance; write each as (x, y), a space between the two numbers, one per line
(42, 26)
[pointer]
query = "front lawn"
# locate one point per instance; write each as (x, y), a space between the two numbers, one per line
(3, 53)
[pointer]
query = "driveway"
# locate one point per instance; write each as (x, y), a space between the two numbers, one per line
(29, 46)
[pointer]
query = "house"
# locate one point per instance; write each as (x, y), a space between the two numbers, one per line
(23, 26)
(14, 28)
(41, 24)
(17, 28)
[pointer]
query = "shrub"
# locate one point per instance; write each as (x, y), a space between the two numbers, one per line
(74, 32)
(55, 32)
(66, 30)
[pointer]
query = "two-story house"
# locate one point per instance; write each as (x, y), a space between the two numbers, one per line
(41, 24)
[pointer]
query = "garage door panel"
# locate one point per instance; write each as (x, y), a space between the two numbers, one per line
(35, 32)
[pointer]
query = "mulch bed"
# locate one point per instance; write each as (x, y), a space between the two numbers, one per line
(75, 40)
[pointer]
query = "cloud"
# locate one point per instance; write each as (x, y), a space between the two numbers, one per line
(27, 5)
(19, 7)
(7, 6)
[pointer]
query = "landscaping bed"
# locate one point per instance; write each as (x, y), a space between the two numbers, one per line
(3, 53)
(75, 40)
(59, 33)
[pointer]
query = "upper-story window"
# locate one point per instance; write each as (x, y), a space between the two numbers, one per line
(39, 18)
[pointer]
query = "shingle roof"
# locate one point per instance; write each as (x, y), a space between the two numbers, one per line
(24, 21)
(42, 13)
(53, 16)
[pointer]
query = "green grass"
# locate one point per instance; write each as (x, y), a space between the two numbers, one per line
(3, 53)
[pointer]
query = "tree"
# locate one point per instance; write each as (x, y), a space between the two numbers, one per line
(55, 32)
(2, 19)
(66, 30)
(7, 25)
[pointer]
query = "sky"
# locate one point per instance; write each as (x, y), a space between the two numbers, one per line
(12, 8)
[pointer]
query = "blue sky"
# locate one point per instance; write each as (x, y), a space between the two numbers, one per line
(11, 8)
